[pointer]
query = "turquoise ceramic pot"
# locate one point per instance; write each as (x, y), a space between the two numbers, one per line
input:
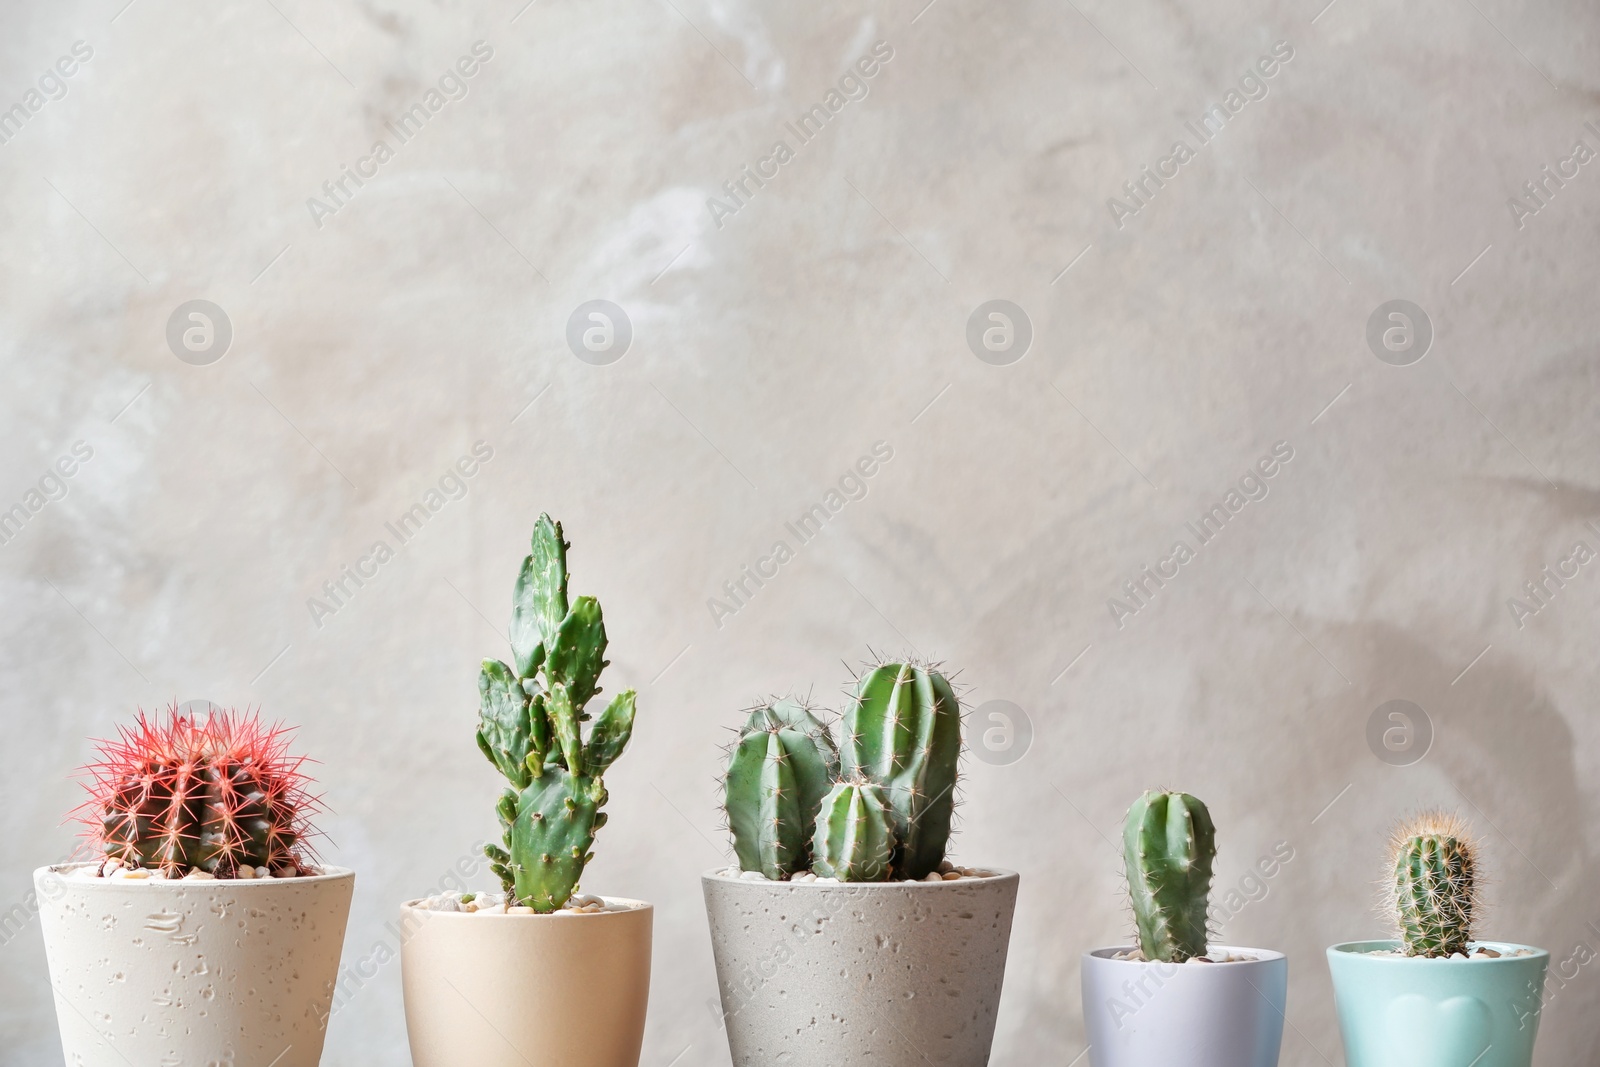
(1399, 1011)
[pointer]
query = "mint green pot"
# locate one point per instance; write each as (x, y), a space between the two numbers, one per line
(1400, 1011)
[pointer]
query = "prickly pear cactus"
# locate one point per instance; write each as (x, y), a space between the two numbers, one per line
(180, 794)
(855, 838)
(530, 726)
(779, 770)
(902, 731)
(1169, 844)
(1435, 891)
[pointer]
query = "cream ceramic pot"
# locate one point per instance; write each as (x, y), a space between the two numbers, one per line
(491, 989)
(193, 972)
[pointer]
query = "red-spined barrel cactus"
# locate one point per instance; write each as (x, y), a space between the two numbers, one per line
(182, 793)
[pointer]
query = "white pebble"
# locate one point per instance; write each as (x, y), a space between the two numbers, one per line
(830, 881)
(520, 909)
(933, 877)
(752, 876)
(135, 873)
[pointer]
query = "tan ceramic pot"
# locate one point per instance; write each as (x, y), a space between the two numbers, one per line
(181, 972)
(489, 989)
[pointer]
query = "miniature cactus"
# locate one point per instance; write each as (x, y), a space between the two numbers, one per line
(779, 770)
(1434, 863)
(180, 794)
(530, 726)
(903, 732)
(855, 838)
(1168, 845)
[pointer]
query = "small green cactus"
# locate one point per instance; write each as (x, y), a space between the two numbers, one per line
(1435, 892)
(781, 767)
(1168, 844)
(855, 838)
(530, 726)
(902, 731)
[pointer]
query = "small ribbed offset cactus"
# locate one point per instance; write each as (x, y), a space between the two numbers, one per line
(181, 794)
(1434, 864)
(778, 772)
(530, 720)
(902, 731)
(855, 834)
(1168, 845)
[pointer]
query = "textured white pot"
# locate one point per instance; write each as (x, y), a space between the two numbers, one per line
(180, 972)
(891, 974)
(1139, 1014)
(488, 989)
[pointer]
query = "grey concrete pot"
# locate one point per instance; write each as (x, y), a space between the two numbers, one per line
(892, 974)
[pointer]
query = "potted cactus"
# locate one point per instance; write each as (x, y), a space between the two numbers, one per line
(1174, 997)
(1436, 994)
(201, 929)
(843, 935)
(534, 973)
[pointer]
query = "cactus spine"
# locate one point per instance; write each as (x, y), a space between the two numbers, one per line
(530, 726)
(181, 794)
(781, 767)
(855, 840)
(903, 733)
(1168, 845)
(1435, 864)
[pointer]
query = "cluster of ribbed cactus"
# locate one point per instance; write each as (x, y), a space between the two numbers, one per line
(530, 726)
(180, 794)
(1434, 863)
(874, 808)
(1168, 844)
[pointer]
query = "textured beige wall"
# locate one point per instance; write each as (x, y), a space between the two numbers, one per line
(769, 353)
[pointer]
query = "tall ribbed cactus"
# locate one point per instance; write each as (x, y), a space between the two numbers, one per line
(855, 840)
(530, 720)
(781, 767)
(902, 731)
(1168, 846)
(1434, 863)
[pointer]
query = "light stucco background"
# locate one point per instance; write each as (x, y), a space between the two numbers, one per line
(769, 354)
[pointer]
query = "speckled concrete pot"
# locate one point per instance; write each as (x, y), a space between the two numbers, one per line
(1141, 1014)
(227, 971)
(892, 974)
(487, 989)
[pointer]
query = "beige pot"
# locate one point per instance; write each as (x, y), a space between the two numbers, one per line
(180, 972)
(490, 989)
